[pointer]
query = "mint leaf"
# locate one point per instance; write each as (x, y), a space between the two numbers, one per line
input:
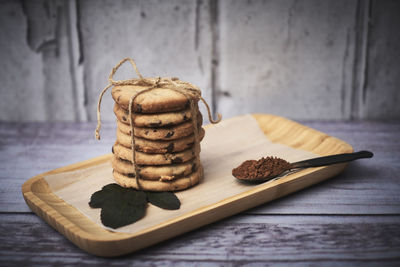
(134, 197)
(120, 210)
(99, 197)
(122, 206)
(164, 200)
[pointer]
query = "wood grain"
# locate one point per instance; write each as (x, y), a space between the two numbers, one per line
(17, 63)
(380, 94)
(301, 59)
(166, 38)
(292, 58)
(37, 81)
(27, 240)
(28, 149)
(93, 239)
(243, 239)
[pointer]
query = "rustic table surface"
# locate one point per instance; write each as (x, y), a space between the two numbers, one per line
(351, 219)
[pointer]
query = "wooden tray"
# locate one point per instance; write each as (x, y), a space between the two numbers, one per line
(96, 240)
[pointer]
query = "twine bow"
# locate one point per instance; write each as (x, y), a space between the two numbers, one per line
(187, 89)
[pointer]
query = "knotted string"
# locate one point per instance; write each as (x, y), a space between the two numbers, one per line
(186, 89)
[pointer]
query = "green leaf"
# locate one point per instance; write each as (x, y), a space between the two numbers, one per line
(164, 200)
(134, 197)
(99, 197)
(117, 212)
(122, 206)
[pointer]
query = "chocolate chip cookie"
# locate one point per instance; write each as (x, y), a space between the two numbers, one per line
(153, 159)
(153, 120)
(164, 133)
(174, 185)
(161, 173)
(157, 100)
(158, 146)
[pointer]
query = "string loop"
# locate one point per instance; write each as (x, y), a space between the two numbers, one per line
(151, 82)
(191, 92)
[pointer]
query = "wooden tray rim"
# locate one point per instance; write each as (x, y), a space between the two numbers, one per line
(67, 227)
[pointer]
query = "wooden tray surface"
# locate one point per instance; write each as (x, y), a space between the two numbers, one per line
(98, 241)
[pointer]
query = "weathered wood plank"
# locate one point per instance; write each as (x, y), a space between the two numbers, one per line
(366, 187)
(16, 65)
(166, 38)
(54, 133)
(381, 95)
(292, 58)
(37, 80)
(59, 98)
(242, 239)
(285, 57)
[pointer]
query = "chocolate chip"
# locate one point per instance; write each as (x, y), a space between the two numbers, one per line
(124, 118)
(125, 160)
(177, 160)
(155, 130)
(131, 175)
(169, 134)
(190, 144)
(185, 118)
(194, 167)
(155, 124)
(139, 108)
(178, 176)
(170, 147)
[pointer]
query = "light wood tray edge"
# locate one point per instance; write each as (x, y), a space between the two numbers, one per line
(98, 241)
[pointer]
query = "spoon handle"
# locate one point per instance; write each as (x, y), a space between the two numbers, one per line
(329, 160)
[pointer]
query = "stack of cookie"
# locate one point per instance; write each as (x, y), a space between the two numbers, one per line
(165, 138)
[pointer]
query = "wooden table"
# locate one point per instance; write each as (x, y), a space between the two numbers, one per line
(351, 219)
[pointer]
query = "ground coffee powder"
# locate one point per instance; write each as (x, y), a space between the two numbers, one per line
(267, 167)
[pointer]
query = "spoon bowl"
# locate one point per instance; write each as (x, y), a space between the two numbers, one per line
(279, 166)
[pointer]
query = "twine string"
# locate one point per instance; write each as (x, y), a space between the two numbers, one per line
(186, 89)
(112, 82)
(97, 131)
(195, 127)
(114, 70)
(210, 118)
(135, 165)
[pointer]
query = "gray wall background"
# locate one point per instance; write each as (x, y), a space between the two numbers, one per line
(305, 59)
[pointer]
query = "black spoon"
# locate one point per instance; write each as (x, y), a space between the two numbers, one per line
(279, 168)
